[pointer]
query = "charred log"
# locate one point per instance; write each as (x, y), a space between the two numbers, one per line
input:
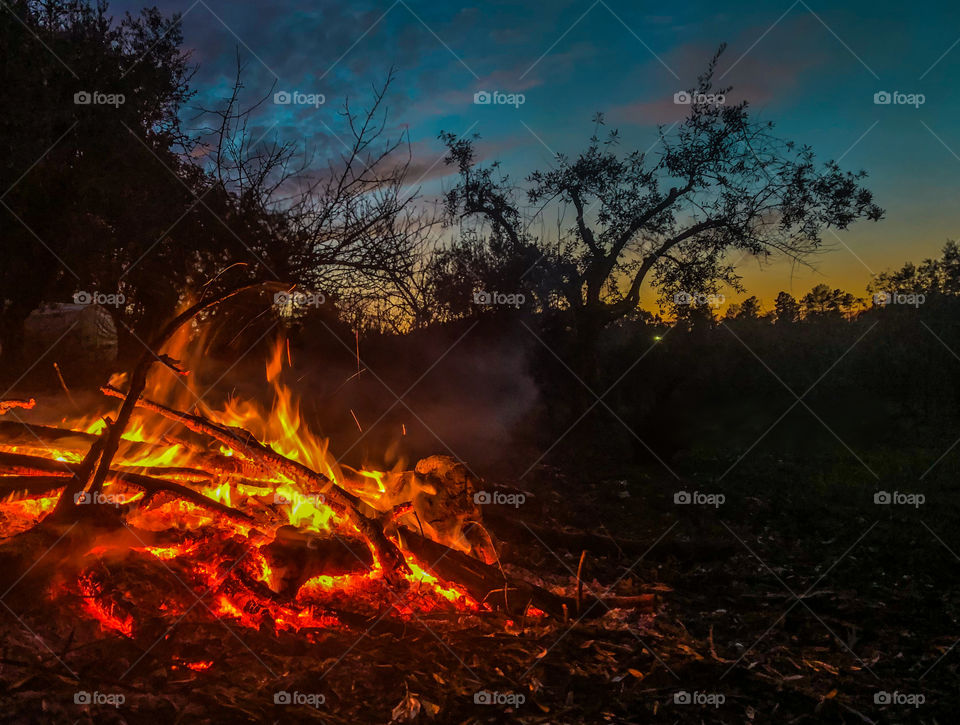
(246, 445)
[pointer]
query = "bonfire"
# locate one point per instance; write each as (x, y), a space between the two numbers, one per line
(170, 506)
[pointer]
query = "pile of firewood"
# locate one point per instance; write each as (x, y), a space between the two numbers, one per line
(381, 539)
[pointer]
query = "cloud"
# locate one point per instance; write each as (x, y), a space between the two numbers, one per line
(771, 71)
(427, 164)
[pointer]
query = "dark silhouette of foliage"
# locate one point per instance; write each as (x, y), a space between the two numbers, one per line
(116, 198)
(786, 308)
(822, 300)
(722, 181)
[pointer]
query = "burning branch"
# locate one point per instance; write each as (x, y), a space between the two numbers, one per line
(33, 474)
(293, 580)
(138, 380)
(489, 584)
(6, 405)
(245, 444)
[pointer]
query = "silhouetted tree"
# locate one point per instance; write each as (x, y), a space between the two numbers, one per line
(750, 309)
(91, 148)
(722, 181)
(932, 277)
(822, 301)
(786, 308)
(106, 192)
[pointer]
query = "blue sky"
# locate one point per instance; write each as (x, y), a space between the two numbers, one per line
(810, 67)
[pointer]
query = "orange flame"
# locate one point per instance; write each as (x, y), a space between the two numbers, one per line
(203, 552)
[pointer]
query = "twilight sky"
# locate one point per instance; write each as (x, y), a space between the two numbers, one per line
(812, 68)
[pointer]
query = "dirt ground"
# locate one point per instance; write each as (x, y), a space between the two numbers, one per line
(773, 606)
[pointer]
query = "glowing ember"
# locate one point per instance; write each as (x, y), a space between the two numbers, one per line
(235, 556)
(108, 615)
(198, 666)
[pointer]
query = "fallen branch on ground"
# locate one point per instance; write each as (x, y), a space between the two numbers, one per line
(487, 583)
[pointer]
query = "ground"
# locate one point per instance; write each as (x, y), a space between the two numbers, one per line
(796, 599)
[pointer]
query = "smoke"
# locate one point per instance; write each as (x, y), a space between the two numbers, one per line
(463, 392)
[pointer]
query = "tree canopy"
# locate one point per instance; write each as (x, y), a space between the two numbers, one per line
(720, 182)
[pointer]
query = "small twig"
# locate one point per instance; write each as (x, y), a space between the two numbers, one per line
(583, 557)
(610, 536)
(173, 364)
(713, 649)
(63, 384)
